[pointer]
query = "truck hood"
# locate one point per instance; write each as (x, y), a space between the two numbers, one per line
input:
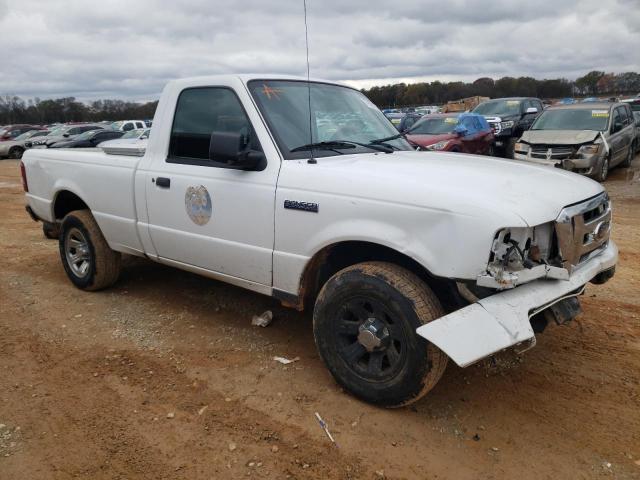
(559, 137)
(469, 185)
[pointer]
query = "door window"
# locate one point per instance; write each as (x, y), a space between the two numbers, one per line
(199, 113)
(616, 121)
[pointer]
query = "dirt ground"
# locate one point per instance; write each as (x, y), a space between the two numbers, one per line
(163, 377)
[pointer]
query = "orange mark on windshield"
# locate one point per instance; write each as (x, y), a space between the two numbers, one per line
(271, 92)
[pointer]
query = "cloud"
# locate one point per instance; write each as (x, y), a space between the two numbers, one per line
(126, 49)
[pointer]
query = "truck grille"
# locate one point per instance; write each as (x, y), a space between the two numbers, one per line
(583, 230)
(551, 152)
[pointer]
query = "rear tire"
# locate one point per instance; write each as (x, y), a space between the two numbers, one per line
(87, 259)
(629, 158)
(364, 325)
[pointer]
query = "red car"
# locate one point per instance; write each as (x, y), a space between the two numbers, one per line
(452, 132)
(10, 132)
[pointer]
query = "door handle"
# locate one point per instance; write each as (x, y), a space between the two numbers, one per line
(163, 182)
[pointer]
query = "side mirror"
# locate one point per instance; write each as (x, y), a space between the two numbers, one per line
(531, 110)
(234, 150)
(66, 135)
(460, 130)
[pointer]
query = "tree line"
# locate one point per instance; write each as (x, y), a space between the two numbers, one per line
(14, 109)
(594, 83)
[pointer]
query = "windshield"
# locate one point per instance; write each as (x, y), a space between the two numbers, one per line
(86, 135)
(57, 132)
(116, 125)
(499, 108)
(434, 125)
(337, 113)
(25, 135)
(572, 119)
(133, 133)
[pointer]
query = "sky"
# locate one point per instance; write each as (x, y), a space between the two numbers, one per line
(130, 49)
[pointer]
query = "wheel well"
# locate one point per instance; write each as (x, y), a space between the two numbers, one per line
(66, 202)
(334, 258)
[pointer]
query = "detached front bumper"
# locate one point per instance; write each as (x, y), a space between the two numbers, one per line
(502, 320)
(584, 164)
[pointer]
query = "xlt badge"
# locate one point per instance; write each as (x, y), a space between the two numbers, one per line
(305, 206)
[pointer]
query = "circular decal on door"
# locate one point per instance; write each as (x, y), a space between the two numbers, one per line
(197, 202)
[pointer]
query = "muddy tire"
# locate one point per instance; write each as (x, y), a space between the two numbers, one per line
(51, 230)
(603, 170)
(364, 325)
(87, 259)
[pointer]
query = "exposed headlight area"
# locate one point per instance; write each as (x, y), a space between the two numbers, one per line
(590, 149)
(507, 124)
(519, 255)
(438, 146)
(550, 250)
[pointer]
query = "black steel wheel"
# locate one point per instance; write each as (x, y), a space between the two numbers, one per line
(365, 322)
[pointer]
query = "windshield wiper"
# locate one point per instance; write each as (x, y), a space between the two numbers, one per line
(335, 144)
(379, 141)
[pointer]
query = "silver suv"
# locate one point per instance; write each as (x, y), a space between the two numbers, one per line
(586, 138)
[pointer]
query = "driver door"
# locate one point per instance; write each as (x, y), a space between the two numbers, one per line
(204, 213)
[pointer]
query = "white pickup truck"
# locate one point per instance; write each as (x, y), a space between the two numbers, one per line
(304, 191)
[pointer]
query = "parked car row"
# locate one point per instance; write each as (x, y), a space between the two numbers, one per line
(588, 137)
(15, 139)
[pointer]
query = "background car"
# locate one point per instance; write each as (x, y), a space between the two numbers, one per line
(453, 132)
(63, 133)
(636, 119)
(9, 132)
(509, 117)
(127, 125)
(131, 143)
(15, 148)
(89, 139)
(408, 121)
(395, 118)
(586, 138)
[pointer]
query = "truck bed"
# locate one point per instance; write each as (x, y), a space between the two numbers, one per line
(106, 181)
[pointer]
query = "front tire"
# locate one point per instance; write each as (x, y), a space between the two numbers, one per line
(87, 259)
(16, 153)
(603, 170)
(364, 324)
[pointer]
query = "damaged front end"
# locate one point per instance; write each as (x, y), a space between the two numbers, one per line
(534, 274)
(579, 158)
(551, 250)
